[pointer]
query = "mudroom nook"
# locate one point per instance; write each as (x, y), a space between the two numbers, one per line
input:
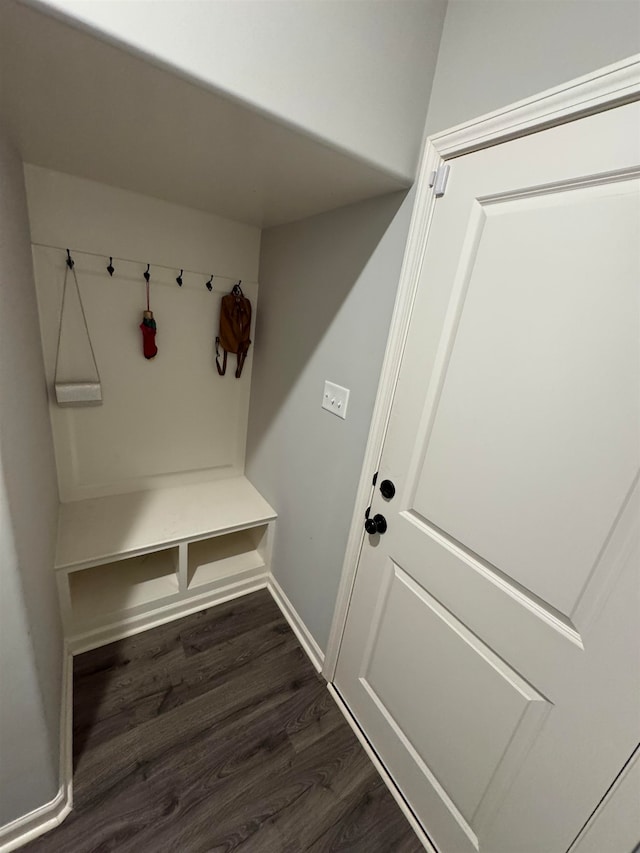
(157, 516)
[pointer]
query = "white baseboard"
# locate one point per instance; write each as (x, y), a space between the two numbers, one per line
(143, 622)
(423, 838)
(137, 624)
(305, 638)
(13, 835)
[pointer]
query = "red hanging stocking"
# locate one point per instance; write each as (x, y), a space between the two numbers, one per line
(148, 326)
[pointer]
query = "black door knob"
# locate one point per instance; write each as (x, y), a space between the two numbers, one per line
(377, 524)
(387, 489)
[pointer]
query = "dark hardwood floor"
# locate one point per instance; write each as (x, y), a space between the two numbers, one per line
(214, 733)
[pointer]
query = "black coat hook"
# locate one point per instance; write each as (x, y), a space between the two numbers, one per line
(147, 274)
(210, 284)
(110, 268)
(179, 279)
(70, 260)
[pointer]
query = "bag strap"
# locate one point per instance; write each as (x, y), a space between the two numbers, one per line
(71, 266)
(221, 370)
(242, 357)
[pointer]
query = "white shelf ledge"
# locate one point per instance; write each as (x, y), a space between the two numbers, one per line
(92, 532)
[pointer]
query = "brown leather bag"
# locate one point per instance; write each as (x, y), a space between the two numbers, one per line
(235, 326)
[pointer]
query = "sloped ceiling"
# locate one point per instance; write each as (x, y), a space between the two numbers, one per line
(77, 104)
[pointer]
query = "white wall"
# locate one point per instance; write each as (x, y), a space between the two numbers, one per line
(355, 74)
(30, 634)
(496, 52)
(164, 421)
(491, 54)
(329, 284)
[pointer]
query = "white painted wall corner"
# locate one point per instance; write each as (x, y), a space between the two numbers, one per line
(17, 833)
(304, 636)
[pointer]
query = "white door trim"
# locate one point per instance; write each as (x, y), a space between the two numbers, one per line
(608, 87)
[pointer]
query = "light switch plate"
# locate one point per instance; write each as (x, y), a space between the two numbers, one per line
(335, 399)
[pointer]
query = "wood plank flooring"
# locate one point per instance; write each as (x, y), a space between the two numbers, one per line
(215, 734)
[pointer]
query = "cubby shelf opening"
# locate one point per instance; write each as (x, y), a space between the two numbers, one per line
(218, 557)
(123, 585)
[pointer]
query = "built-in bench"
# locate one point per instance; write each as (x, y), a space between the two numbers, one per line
(127, 562)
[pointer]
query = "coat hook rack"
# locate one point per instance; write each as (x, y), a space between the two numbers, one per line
(114, 259)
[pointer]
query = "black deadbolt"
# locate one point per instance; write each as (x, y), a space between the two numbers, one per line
(387, 489)
(377, 524)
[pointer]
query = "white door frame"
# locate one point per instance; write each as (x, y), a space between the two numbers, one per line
(608, 87)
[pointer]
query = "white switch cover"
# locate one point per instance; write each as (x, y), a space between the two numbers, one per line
(335, 399)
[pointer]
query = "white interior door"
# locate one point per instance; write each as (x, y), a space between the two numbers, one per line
(491, 645)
